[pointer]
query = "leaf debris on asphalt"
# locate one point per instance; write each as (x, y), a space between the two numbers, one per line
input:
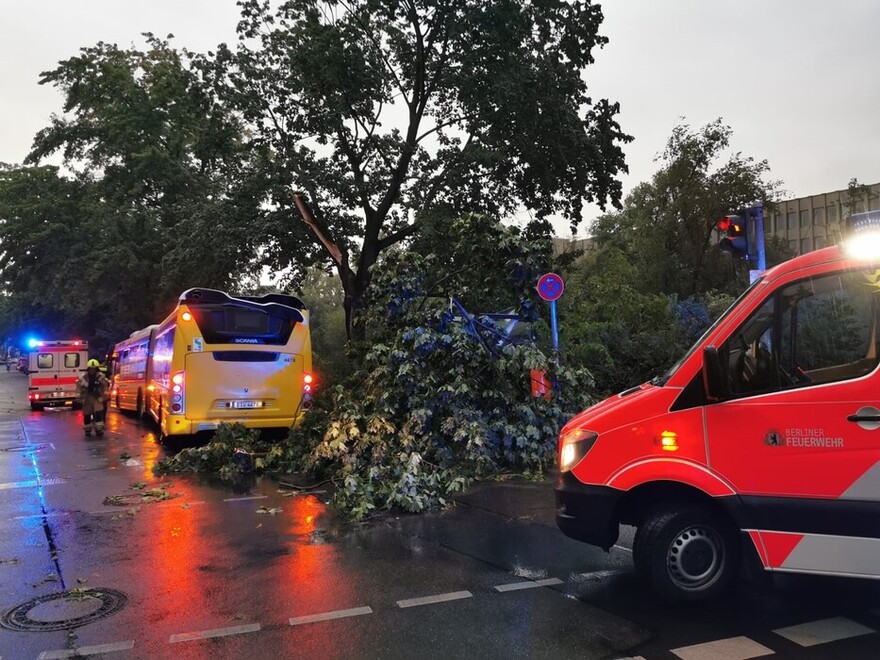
(138, 485)
(11, 561)
(273, 511)
(146, 497)
(124, 456)
(82, 593)
(50, 577)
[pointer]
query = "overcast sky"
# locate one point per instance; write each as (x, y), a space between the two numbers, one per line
(797, 80)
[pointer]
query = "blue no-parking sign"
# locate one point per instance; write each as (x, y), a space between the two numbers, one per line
(550, 287)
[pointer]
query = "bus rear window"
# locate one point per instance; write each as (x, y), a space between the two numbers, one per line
(228, 324)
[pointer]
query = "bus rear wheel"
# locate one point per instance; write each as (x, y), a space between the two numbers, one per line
(686, 553)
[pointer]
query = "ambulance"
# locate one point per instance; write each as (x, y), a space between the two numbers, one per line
(762, 443)
(53, 368)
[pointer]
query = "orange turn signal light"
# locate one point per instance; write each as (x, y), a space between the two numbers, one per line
(669, 441)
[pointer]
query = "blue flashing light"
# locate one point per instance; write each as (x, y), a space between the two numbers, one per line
(33, 343)
(861, 223)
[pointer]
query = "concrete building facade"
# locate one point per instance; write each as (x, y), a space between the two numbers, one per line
(817, 221)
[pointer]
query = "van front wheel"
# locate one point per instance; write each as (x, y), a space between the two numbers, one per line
(687, 553)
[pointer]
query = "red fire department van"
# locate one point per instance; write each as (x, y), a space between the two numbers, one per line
(762, 441)
(53, 367)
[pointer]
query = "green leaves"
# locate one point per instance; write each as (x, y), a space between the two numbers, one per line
(434, 408)
(156, 175)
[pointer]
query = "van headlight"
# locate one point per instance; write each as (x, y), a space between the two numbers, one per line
(573, 446)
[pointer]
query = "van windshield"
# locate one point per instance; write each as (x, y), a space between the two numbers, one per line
(660, 381)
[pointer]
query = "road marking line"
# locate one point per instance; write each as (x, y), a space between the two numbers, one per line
(42, 515)
(732, 648)
(30, 484)
(210, 634)
(439, 598)
(329, 616)
(249, 497)
(516, 586)
(823, 631)
(87, 650)
(623, 547)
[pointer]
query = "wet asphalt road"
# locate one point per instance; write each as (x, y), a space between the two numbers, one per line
(208, 576)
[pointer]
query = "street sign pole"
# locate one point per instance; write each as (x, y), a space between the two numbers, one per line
(550, 288)
(759, 230)
(757, 212)
(554, 330)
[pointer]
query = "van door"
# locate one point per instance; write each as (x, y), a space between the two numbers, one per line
(43, 372)
(799, 435)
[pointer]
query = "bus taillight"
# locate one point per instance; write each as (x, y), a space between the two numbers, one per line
(308, 381)
(177, 393)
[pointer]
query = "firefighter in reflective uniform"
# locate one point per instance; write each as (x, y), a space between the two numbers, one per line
(93, 389)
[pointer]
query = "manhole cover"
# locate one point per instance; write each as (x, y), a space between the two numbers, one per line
(63, 610)
(27, 448)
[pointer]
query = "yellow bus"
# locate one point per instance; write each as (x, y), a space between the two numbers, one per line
(219, 358)
(129, 375)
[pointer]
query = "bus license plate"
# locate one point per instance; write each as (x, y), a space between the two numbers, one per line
(247, 404)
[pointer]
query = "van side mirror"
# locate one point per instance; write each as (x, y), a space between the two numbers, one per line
(715, 381)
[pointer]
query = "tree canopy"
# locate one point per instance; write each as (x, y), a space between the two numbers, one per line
(381, 110)
(157, 194)
(667, 225)
(655, 276)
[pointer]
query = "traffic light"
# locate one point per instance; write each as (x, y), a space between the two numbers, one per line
(735, 235)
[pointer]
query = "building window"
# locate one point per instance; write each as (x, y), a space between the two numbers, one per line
(821, 242)
(793, 245)
(832, 214)
(818, 217)
(806, 245)
(805, 218)
(792, 221)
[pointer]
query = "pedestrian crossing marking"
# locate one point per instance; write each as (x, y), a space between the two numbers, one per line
(732, 648)
(823, 631)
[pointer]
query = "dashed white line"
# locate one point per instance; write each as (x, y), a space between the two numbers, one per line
(533, 584)
(732, 648)
(430, 600)
(329, 616)
(823, 631)
(242, 499)
(30, 484)
(84, 651)
(218, 632)
(42, 515)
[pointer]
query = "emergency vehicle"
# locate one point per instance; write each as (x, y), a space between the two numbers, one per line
(53, 368)
(762, 442)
